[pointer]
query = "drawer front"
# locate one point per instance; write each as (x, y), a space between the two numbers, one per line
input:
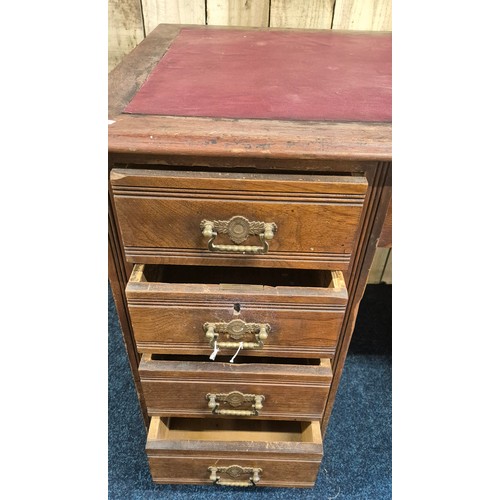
(299, 221)
(284, 473)
(186, 318)
(255, 390)
(266, 454)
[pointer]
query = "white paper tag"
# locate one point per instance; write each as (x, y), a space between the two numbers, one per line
(236, 354)
(216, 350)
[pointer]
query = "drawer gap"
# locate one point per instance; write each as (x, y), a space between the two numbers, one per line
(240, 359)
(227, 276)
(211, 429)
(253, 171)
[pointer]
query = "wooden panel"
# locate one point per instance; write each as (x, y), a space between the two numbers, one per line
(182, 450)
(157, 228)
(278, 472)
(378, 265)
(125, 29)
(371, 15)
(172, 11)
(238, 12)
(386, 235)
(387, 276)
(300, 14)
(168, 317)
(290, 391)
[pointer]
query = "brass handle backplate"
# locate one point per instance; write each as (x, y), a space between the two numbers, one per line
(238, 228)
(235, 471)
(236, 329)
(235, 399)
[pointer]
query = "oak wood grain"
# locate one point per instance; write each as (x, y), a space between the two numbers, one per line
(316, 216)
(168, 317)
(179, 387)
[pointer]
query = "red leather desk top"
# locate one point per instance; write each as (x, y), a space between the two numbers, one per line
(294, 75)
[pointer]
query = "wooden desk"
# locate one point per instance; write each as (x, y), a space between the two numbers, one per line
(227, 203)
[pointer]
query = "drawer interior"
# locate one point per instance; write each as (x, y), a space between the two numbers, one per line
(240, 359)
(211, 429)
(221, 275)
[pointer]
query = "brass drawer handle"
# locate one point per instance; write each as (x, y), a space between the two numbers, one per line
(237, 329)
(238, 228)
(235, 471)
(234, 399)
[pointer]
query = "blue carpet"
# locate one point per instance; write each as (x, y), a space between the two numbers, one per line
(357, 450)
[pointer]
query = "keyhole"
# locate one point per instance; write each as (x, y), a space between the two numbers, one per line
(236, 308)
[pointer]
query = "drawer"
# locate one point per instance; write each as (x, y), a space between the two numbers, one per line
(300, 221)
(232, 452)
(256, 388)
(274, 312)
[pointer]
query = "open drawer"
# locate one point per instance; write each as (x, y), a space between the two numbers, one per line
(234, 452)
(251, 387)
(266, 312)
